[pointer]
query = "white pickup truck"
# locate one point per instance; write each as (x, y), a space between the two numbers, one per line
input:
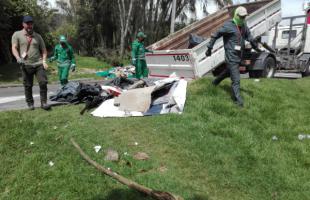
(172, 55)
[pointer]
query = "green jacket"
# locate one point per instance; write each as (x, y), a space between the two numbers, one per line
(63, 55)
(138, 50)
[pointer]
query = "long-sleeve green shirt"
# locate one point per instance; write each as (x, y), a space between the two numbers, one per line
(63, 55)
(138, 50)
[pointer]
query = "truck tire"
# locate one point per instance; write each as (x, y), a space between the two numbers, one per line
(269, 68)
(267, 72)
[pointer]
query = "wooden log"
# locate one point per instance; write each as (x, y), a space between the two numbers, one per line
(159, 195)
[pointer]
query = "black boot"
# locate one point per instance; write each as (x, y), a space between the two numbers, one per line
(30, 107)
(43, 97)
(45, 106)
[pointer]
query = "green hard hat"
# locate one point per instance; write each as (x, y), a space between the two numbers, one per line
(141, 35)
(62, 38)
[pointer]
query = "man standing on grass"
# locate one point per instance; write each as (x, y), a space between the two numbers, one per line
(29, 50)
(138, 56)
(64, 55)
(234, 33)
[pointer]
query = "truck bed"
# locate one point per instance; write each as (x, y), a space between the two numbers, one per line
(204, 27)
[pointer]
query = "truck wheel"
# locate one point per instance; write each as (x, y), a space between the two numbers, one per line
(267, 72)
(269, 67)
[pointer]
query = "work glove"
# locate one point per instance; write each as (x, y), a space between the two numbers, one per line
(20, 61)
(133, 61)
(208, 52)
(258, 39)
(72, 67)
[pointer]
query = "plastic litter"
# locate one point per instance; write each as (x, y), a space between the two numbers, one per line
(303, 136)
(97, 148)
(51, 163)
(127, 71)
(274, 138)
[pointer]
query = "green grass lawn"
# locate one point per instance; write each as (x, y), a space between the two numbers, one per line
(213, 151)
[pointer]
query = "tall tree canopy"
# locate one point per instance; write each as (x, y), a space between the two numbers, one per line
(11, 13)
(96, 26)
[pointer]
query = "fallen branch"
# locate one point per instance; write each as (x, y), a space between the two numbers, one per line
(159, 195)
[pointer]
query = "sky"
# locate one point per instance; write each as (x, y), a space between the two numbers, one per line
(289, 7)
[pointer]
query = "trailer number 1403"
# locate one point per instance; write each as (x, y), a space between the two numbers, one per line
(180, 58)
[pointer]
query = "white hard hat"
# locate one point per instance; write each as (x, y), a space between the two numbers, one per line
(241, 11)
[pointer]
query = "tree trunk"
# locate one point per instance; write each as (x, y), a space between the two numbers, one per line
(159, 195)
(124, 20)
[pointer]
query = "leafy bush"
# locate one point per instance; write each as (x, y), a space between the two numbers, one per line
(111, 56)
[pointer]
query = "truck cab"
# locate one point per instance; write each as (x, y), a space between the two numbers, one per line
(283, 35)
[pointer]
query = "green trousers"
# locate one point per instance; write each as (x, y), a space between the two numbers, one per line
(63, 73)
(141, 69)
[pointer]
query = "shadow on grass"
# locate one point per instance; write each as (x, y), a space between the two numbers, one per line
(127, 194)
(122, 194)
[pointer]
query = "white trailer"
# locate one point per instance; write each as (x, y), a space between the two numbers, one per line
(172, 55)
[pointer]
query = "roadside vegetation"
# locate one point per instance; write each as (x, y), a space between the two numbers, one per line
(214, 150)
(86, 69)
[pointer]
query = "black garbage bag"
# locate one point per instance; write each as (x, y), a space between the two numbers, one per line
(194, 40)
(86, 90)
(76, 92)
(94, 101)
(67, 93)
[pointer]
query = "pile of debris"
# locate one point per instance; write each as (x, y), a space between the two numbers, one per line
(127, 71)
(123, 97)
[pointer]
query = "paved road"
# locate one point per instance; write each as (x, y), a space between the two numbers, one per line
(12, 98)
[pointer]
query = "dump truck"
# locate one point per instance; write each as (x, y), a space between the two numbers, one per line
(291, 43)
(172, 55)
(291, 60)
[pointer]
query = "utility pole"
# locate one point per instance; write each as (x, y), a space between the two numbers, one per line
(174, 3)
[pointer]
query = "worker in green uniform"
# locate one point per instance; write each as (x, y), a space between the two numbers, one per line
(138, 56)
(64, 55)
(234, 33)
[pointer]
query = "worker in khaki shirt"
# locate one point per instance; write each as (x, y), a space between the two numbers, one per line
(29, 50)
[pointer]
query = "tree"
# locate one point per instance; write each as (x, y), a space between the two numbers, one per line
(124, 21)
(11, 13)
